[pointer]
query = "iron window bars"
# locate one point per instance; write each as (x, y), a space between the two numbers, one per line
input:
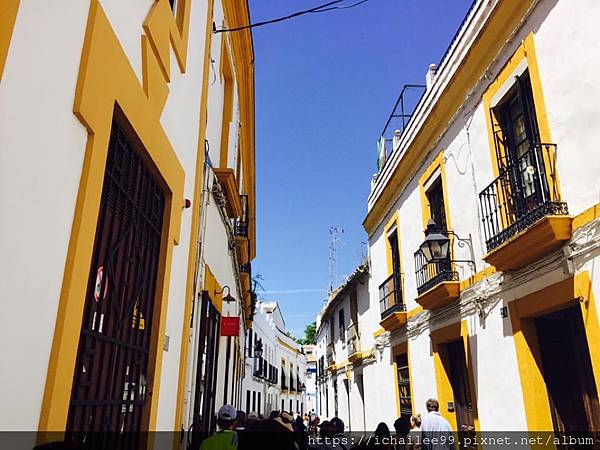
(430, 274)
(111, 370)
(523, 193)
(241, 223)
(390, 295)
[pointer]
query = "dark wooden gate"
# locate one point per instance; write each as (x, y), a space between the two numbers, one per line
(111, 371)
(463, 402)
(568, 371)
(204, 422)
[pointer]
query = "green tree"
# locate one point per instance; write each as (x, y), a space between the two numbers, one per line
(310, 334)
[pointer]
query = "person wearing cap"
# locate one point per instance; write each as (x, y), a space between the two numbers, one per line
(226, 438)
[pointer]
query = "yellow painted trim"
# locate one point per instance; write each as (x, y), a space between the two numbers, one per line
(236, 15)
(397, 350)
(195, 227)
(525, 52)
(8, 17)
(437, 163)
(503, 20)
(98, 90)
(587, 216)
(378, 332)
(546, 235)
(396, 389)
(413, 312)
(289, 347)
(212, 286)
(522, 314)
(444, 335)
(479, 276)
(393, 222)
(227, 76)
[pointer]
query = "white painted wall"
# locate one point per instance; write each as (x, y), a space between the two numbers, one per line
(267, 326)
(43, 146)
(42, 149)
(180, 120)
(571, 96)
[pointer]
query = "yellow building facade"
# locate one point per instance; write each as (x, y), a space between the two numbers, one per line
(482, 231)
(129, 133)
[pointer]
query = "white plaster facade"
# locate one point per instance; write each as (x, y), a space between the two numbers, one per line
(266, 387)
(42, 158)
(560, 33)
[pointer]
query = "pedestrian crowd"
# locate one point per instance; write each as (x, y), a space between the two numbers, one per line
(281, 431)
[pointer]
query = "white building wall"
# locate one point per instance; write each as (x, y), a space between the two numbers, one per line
(41, 137)
(571, 95)
(43, 145)
(180, 119)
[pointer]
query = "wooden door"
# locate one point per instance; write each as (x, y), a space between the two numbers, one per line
(567, 371)
(459, 380)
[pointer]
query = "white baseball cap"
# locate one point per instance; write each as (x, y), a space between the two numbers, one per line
(227, 412)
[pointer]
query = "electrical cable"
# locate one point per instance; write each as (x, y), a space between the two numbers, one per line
(317, 9)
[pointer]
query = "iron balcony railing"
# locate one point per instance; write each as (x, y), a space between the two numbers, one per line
(353, 339)
(401, 115)
(258, 368)
(390, 295)
(524, 192)
(430, 274)
(330, 354)
(241, 224)
(321, 368)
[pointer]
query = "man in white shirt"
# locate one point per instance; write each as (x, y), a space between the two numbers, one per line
(436, 433)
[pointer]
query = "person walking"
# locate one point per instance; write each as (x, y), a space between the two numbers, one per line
(226, 438)
(436, 433)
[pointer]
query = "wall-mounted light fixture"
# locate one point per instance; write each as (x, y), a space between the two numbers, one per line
(257, 350)
(227, 298)
(436, 245)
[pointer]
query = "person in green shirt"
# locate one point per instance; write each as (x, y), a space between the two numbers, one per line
(226, 438)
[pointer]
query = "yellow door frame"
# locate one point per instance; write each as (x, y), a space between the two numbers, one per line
(455, 332)
(523, 311)
(97, 94)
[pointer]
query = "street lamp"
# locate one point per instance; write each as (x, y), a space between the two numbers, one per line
(228, 298)
(436, 246)
(258, 349)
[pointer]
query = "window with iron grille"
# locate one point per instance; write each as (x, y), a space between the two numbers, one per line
(111, 370)
(526, 188)
(404, 384)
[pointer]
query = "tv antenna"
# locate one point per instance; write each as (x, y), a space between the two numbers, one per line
(334, 233)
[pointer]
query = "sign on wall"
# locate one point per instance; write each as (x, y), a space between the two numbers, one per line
(230, 326)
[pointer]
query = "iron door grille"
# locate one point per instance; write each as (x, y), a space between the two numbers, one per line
(110, 380)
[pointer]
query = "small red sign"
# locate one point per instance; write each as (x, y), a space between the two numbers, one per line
(230, 326)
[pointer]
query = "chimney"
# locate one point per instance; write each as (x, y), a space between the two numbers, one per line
(430, 77)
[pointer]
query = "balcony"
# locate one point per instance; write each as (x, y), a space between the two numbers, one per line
(524, 217)
(330, 355)
(230, 190)
(240, 228)
(391, 304)
(353, 342)
(438, 282)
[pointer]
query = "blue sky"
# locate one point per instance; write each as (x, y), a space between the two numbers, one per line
(325, 86)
